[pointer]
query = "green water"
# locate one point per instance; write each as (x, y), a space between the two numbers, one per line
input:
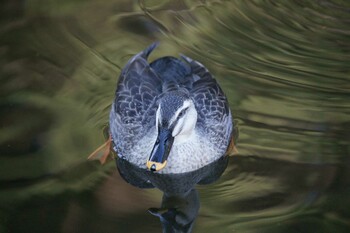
(284, 66)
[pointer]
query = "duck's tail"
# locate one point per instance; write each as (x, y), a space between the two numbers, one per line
(149, 49)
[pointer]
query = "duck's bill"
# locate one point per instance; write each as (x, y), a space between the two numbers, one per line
(159, 155)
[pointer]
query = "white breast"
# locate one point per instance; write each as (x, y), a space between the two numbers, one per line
(189, 154)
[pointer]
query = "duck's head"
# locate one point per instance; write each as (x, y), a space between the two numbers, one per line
(176, 119)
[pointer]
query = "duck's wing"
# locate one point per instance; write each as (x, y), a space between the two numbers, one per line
(214, 114)
(134, 108)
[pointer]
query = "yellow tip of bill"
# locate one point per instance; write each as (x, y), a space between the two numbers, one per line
(155, 166)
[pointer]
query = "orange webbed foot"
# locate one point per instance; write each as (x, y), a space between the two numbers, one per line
(231, 149)
(102, 152)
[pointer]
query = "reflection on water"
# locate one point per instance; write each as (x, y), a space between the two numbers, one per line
(180, 203)
(177, 213)
(283, 65)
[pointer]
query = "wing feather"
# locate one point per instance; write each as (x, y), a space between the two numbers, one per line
(134, 104)
(214, 114)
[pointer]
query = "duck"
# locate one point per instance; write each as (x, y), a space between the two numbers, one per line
(170, 115)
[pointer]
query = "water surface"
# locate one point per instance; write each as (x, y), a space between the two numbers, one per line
(284, 66)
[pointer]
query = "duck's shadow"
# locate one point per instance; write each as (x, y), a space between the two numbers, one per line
(180, 203)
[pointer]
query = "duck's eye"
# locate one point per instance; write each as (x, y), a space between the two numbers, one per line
(182, 113)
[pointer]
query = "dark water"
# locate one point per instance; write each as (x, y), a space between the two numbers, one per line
(284, 65)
